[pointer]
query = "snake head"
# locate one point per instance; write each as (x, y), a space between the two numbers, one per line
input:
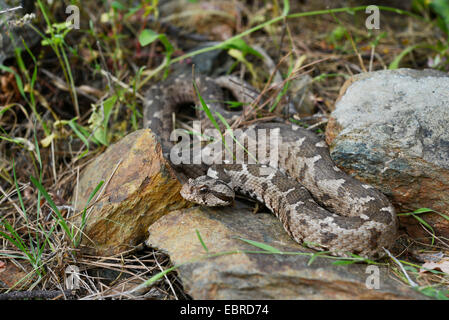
(208, 191)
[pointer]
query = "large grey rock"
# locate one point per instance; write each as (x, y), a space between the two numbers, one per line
(390, 129)
(247, 275)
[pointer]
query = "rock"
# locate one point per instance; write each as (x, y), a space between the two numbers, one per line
(216, 19)
(389, 129)
(257, 275)
(212, 63)
(299, 90)
(142, 188)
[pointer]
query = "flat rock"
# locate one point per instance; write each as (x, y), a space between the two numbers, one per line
(257, 275)
(390, 129)
(140, 188)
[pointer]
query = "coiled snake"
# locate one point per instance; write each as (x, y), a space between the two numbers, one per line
(317, 203)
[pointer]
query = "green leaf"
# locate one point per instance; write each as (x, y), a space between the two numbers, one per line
(426, 225)
(78, 133)
(395, 63)
(6, 108)
(117, 5)
(375, 42)
(435, 293)
(261, 245)
(233, 104)
(441, 8)
(15, 239)
(240, 44)
(148, 36)
(411, 269)
(155, 278)
(422, 210)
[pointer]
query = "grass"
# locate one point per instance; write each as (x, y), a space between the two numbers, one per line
(52, 127)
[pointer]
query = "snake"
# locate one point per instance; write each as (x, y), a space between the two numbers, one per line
(318, 204)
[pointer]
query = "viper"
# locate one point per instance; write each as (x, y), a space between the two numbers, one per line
(317, 203)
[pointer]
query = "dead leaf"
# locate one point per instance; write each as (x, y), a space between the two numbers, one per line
(10, 274)
(47, 140)
(442, 266)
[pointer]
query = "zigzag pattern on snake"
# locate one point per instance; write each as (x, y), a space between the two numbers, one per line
(317, 203)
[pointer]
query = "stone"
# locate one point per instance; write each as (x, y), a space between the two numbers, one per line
(247, 275)
(390, 129)
(212, 63)
(140, 188)
(214, 19)
(299, 90)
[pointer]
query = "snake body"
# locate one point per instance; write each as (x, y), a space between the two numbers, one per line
(317, 203)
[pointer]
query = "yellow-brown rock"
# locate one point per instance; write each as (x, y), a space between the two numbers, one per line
(140, 187)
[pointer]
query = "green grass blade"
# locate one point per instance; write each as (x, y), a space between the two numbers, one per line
(83, 217)
(201, 240)
(284, 89)
(261, 245)
(38, 151)
(343, 262)
(47, 197)
(395, 63)
(19, 194)
(422, 221)
(316, 255)
(228, 127)
(16, 240)
(155, 278)
(18, 80)
(78, 133)
(286, 8)
(206, 109)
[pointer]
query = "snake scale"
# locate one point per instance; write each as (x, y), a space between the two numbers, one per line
(317, 203)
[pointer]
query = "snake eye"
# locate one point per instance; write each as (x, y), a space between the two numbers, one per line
(204, 189)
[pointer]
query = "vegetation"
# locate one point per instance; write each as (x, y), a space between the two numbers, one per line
(69, 95)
